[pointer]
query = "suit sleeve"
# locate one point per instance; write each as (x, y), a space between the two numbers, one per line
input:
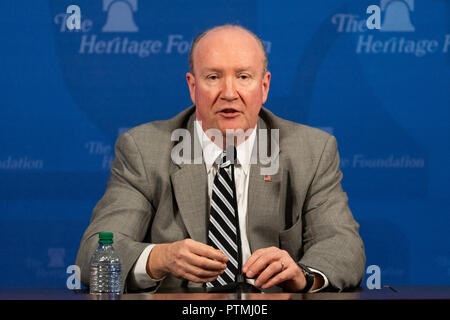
(331, 240)
(125, 209)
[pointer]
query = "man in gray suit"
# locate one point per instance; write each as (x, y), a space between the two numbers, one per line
(295, 227)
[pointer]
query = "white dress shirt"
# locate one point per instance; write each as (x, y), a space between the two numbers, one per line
(139, 277)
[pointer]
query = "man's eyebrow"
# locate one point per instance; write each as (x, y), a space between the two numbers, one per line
(244, 69)
(218, 70)
(207, 70)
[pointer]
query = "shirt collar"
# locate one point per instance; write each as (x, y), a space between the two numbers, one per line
(211, 151)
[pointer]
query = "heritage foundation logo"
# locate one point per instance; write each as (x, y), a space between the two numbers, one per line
(120, 16)
(397, 15)
(396, 35)
(120, 19)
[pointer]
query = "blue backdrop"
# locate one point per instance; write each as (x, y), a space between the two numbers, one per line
(65, 96)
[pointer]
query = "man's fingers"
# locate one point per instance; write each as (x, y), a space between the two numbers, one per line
(277, 279)
(271, 270)
(253, 258)
(206, 251)
(205, 263)
(193, 273)
(259, 265)
(196, 261)
(202, 273)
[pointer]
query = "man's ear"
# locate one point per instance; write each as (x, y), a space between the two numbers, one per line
(191, 84)
(265, 86)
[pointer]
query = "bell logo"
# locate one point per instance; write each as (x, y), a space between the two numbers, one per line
(396, 15)
(120, 15)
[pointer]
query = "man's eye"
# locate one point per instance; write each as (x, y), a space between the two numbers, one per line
(212, 77)
(244, 77)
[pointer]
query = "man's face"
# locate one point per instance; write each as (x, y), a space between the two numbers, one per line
(229, 87)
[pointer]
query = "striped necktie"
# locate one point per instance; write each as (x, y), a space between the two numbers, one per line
(223, 232)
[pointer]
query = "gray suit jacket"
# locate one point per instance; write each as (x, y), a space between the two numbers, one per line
(303, 210)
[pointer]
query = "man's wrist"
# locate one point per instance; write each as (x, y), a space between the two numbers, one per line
(155, 264)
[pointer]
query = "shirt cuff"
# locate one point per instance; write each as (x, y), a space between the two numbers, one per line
(139, 278)
(325, 284)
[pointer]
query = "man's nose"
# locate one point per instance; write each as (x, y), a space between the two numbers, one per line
(229, 92)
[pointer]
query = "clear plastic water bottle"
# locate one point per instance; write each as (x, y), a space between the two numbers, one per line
(106, 269)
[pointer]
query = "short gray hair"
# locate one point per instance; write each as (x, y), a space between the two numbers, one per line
(204, 33)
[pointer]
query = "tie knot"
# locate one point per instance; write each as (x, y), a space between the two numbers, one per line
(227, 157)
(224, 161)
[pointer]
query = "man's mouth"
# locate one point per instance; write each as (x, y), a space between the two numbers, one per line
(229, 112)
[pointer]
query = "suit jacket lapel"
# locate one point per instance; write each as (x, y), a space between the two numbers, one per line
(190, 186)
(191, 191)
(265, 215)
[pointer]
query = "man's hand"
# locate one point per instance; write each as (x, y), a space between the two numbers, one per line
(187, 259)
(273, 266)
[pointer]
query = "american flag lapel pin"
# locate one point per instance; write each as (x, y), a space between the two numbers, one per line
(267, 178)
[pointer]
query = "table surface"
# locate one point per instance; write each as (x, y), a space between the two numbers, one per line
(385, 293)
